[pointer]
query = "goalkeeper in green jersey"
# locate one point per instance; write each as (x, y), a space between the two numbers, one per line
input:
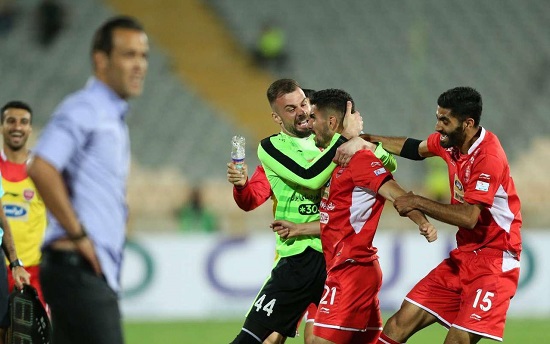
(296, 170)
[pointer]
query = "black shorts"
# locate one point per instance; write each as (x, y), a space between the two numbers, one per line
(294, 284)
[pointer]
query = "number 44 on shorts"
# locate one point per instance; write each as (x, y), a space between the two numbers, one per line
(268, 307)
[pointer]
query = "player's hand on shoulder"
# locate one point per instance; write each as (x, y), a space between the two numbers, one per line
(347, 150)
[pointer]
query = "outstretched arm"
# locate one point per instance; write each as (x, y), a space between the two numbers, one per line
(405, 147)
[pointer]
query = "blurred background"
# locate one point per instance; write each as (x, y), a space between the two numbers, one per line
(210, 65)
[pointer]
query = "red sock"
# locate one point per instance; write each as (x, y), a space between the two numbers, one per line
(383, 339)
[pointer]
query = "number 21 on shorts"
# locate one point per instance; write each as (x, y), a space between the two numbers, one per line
(268, 307)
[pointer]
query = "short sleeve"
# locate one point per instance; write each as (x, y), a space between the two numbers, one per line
(65, 134)
(368, 171)
(485, 180)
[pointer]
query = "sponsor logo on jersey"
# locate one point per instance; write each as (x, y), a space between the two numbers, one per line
(458, 192)
(28, 194)
(380, 171)
(485, 176)
(482, 186)
(308, 209)
(14, 210)
(458, 185)
(339, 173)
(327, 206)
(475, 317)
(375, 163)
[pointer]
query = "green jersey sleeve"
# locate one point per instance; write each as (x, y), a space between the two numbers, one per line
(387, 158)
(279, 155)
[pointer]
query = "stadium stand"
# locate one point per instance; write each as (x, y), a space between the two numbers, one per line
(393, 57)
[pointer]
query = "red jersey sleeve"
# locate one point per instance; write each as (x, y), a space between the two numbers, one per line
(368, 171)
(434, 146)
(254, 193)
(485, 179)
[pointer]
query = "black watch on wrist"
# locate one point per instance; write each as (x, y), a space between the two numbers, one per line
(15, 263)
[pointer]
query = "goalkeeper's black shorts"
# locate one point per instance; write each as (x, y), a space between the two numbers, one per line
(294, 284)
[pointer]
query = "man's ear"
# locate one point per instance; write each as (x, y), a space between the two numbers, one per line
(469, 122)
(333, 123)
(100, 59)
(276, 118)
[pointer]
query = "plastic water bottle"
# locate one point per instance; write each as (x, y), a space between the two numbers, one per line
(237, 150)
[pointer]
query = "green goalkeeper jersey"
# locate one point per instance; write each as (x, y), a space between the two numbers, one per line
(296, 169)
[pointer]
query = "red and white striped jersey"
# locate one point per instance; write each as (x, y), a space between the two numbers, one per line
(351, 208)
(483, 177)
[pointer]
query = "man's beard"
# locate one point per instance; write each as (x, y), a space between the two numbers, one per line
(454, 138)
(16, 148)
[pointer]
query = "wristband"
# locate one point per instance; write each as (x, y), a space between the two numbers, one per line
(15, 263)
(80, 236)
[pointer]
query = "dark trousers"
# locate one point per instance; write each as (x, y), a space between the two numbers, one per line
(83, 307)
(4, 293)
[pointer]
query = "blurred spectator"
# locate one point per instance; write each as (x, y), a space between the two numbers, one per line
(50, 20)
(194, 217)
(436, 181)
(7, 16)
(270, 48)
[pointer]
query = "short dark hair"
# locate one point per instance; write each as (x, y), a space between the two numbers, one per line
(14, 104)
(464, 102)
(281, 87)
(333, 99)
(103, 37)
(308, 92)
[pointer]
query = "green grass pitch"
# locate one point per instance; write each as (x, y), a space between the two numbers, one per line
(518, 331)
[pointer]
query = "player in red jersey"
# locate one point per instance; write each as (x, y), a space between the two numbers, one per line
(470, 291)
(350, 211)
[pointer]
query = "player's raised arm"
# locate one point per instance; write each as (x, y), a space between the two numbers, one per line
(405, 147)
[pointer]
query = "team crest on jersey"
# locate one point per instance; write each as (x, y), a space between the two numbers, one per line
(324, 217)
(458, 192)
(28, 194)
